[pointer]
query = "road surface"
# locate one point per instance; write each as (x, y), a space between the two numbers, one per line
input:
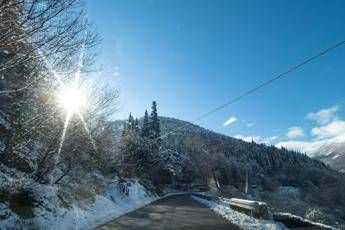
(174, 212)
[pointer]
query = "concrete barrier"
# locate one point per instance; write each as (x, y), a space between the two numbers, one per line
(253, 208)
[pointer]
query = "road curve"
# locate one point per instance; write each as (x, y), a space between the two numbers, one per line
(174, 212)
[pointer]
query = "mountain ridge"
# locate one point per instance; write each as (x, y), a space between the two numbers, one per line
(233, 146)
(332, 154)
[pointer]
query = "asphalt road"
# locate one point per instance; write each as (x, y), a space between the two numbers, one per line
(174, 212)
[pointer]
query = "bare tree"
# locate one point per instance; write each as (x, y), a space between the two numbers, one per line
(44, 30)
(42, 42)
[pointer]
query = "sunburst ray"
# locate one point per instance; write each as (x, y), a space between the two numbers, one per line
(63, 135)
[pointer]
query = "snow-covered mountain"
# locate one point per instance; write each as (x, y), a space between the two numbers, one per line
(332, 154)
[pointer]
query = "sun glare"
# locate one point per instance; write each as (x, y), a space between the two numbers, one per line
(73, 99)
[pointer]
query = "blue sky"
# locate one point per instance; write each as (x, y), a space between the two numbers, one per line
(191, 56)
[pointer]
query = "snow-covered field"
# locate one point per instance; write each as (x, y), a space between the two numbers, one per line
(239, 219)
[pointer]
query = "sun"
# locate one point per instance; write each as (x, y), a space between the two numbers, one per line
(72, 99)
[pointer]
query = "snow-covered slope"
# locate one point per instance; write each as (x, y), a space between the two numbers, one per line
(84, 205)
(332, 154)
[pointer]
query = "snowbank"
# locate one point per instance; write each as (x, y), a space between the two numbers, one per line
(85, 203)
(288, 217)
(54, 212)
(104, 208)
(239, 219)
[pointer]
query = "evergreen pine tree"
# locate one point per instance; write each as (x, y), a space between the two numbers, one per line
(130, 122)
(144, 161)
(156, 164)
(145, 131)
(154, 128)
(130, 146)
(124, 130)
(136, 126)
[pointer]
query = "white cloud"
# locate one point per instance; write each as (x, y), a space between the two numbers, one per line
(310, 147)
(333, 129)
(324, 116)
(294, 132)
(230, 121)
(301, 146)
(257, 139)
(249, 124)
(330, 130)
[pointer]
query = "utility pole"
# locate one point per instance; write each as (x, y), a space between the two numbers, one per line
(246, 185)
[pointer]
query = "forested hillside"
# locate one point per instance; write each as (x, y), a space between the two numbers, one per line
(199, 156)
(260, 159)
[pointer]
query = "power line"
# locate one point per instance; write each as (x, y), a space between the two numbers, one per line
(275, 78)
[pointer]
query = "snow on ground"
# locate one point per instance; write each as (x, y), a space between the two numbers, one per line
(83, 204)
(239, 219)
(315, 224)
(54, 212)
(104, 208)
(336, 156)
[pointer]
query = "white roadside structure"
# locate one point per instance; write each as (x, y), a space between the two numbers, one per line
(243, 221)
